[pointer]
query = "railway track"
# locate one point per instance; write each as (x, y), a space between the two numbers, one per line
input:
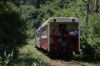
(75, 63)
(65, 63)
(62, 61)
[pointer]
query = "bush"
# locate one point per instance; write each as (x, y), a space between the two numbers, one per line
(91, 45)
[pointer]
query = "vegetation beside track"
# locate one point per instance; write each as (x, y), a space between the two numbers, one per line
(34, 56)
(29, 56)
(19, 20)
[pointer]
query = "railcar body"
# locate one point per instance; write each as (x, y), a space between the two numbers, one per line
(49, 35)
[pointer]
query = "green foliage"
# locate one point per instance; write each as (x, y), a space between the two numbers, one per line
(12, 30)
(29, 57)
(45, 9)
(91, 48)
(30, 14)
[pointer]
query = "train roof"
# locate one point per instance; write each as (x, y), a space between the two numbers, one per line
(61, 19)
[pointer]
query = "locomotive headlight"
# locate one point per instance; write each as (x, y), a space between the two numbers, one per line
(63, 44)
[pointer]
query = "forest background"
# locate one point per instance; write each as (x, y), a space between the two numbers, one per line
(20, 18)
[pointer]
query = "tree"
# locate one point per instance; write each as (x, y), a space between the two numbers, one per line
(96, 6)
(37, 3)
(12, 30)
(87, 11)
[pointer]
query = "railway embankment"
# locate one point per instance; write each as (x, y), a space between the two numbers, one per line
(30, 56)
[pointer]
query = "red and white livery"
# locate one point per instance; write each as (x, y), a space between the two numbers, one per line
(49, 35)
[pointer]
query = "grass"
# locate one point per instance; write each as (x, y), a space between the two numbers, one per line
(92, 64)
(29, 56)
(87, 63)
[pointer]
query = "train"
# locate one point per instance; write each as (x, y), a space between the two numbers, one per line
(56, 36)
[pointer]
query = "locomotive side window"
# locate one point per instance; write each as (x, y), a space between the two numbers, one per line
(37, 35)
(44, 31)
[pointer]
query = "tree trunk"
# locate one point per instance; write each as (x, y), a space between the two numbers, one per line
(96, 6)
(87, 11)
